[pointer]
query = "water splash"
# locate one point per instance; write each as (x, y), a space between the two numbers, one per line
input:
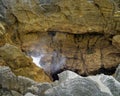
(50, 62)
(37, 60)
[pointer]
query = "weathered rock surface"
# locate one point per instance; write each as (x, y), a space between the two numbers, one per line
(21, 64)
(2, 33)
(75, 34)
(69, 84)
(100, 85)
(116, 41)
(78, 16)
(117, 74)
(10, 81)
(84, 54)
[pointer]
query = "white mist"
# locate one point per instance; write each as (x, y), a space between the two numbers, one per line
(37, 59)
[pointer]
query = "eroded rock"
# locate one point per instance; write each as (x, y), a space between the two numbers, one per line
(116, 41)
(99, 85)
(69, 84)
(21, 64)
(117, 74)
(74, 35)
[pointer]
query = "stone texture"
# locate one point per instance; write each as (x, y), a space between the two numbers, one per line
(78, 16)
(82, 53)
(2, 33)
(100, 85)
(15, 93)
(69, 84)
(5, 92)
(74, 35)
(117, 74)
(29, 94)
(21, 64)
(112, 84)
(116, 41)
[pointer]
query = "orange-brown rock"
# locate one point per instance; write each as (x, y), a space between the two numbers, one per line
(116, 41)
(85, 53)
(69, 34)
(20, 64)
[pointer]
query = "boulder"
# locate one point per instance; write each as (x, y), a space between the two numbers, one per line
(69, 84)
(11, 82)
(117, 73)
(29, 94)
(100, 85)
(5, 92)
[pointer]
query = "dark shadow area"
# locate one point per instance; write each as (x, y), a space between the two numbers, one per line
(55, 74)
(109, 71)
(102, 70)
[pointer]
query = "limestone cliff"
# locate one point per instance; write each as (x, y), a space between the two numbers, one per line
(70, 34)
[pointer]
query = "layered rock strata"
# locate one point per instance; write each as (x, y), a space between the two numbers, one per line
(69, 34)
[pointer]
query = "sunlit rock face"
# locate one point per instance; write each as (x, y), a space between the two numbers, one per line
(83, 53)
(21, 64)
(117, 74)
(62, 34)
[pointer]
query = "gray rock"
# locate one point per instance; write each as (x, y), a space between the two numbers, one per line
(69, 84)
(43, 88)
(39, 89)
(75, 86)
(5, 92)
(11, 82)
(29, 94)
(15, 93)
(117, 74)
(112, 84)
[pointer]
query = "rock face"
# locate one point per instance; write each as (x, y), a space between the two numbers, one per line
(21, 64)
(100, 85)
(10, 81)
(117, 74)
(74, 35)
(116, 41)
(69, 84)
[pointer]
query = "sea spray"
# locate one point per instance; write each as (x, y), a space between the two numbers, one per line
(51, 62)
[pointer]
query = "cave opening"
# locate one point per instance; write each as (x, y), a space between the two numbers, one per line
(107, 71)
